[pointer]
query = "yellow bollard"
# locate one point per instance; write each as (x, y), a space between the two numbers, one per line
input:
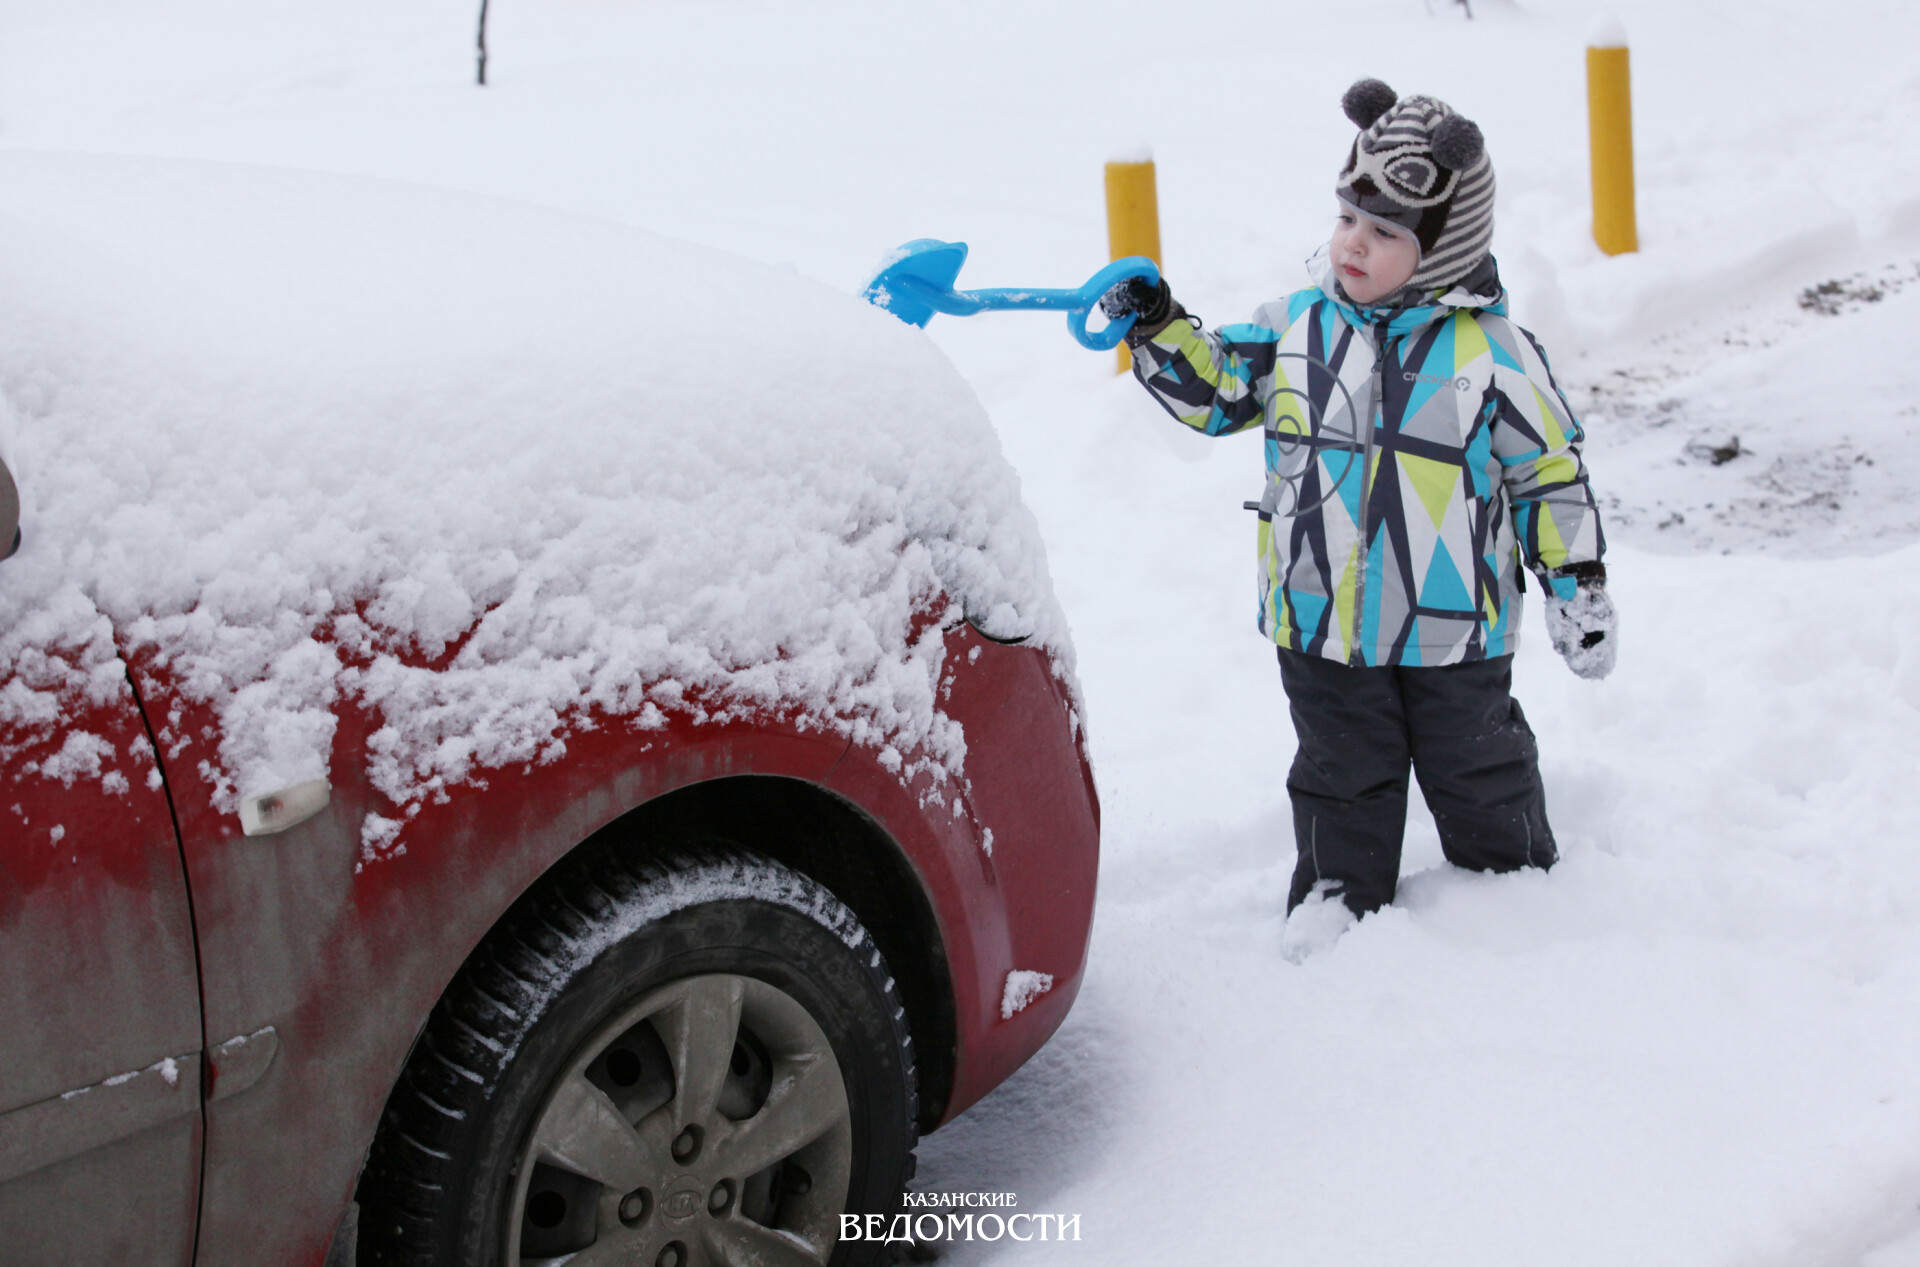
(1133, 219)
(1610, 134)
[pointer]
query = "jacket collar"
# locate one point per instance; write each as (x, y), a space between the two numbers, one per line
(1480, 290)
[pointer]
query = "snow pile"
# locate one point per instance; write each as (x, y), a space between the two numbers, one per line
(489, 470)
(1023, 987)
(1314, 926)
(1788, 425)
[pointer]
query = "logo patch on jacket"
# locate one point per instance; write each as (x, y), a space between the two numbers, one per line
(1461, 383)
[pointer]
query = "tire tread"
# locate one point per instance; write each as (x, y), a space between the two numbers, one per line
(472, 1034)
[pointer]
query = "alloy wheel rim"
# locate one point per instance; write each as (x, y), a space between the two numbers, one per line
(705, 1124)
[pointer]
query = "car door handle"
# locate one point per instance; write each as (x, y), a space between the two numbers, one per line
(277, 811)
(240, 1062)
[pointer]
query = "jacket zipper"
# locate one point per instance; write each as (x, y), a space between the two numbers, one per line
(1376, 407)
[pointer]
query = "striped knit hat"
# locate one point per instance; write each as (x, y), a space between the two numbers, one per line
(1419, 165)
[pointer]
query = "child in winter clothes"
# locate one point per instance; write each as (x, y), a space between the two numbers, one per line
(1417, 451)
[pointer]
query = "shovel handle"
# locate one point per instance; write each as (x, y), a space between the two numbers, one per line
(1099, 284)
(918, 283)
(1078, 303)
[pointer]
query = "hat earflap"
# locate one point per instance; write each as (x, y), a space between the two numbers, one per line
(1367, 100)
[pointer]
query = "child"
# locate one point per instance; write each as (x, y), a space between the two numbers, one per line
(1417, 451)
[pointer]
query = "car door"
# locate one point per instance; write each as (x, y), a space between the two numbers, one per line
(297, 1006)
(100, 1041)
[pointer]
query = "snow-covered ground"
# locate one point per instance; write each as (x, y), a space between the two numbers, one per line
(1691, 1043)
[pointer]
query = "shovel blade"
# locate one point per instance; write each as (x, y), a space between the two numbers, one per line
(922, 266)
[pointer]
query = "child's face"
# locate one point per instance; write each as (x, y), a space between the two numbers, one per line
(1371, 257)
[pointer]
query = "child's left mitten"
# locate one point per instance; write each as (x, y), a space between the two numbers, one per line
(1583, 627)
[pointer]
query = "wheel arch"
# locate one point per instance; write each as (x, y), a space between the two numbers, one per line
(830, 839)
(809, 828)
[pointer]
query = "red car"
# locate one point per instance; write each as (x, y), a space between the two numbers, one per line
(520, 741)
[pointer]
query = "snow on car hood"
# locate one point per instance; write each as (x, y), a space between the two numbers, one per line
(492, 469)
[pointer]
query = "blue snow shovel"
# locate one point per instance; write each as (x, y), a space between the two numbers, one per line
(918, 282)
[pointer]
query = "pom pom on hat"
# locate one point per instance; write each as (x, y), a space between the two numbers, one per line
(1367, 100)
(1457, 142)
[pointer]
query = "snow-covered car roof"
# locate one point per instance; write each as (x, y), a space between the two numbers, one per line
(495, 470)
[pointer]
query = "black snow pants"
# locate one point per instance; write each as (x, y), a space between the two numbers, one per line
(1359, 728)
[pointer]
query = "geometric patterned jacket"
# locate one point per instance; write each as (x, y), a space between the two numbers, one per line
(1414, 456)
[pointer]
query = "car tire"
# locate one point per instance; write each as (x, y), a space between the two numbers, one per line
(694, 1060)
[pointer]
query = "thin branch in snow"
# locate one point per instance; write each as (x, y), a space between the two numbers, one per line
(482, 44)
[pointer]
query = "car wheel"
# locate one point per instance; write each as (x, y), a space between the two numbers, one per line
(668, 1063)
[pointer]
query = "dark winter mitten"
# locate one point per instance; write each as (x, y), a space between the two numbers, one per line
(1582, 627)
(1151, 302)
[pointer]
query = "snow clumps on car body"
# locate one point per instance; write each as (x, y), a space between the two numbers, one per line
(494, 471)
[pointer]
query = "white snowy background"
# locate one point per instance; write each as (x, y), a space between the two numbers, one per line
(1695, 1042)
